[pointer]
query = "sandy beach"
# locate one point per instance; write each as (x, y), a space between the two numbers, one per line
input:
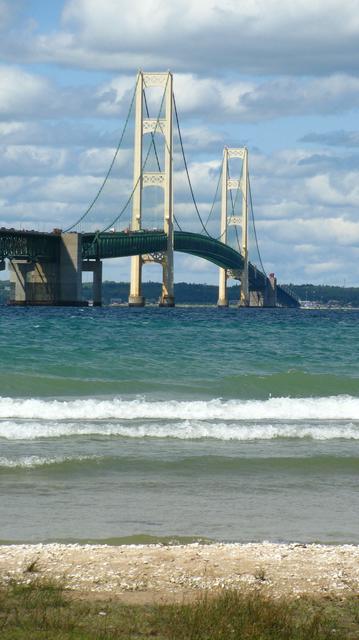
(149, 573)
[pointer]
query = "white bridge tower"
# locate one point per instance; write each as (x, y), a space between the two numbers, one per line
(240, 184)
(164, 179)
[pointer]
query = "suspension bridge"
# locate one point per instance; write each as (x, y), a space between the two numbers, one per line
(47, 268)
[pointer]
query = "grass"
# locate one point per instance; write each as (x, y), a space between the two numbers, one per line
(43, 610)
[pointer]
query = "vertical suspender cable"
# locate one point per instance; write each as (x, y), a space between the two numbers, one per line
(187, 172)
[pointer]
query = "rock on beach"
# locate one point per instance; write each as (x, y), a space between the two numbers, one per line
(156, 572)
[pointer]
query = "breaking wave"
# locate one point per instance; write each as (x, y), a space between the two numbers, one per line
(325, 408)
(317, 418)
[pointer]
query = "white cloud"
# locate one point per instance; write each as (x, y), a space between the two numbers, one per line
(20, 92)
(25, 95)
(263, 36)
(58, 140)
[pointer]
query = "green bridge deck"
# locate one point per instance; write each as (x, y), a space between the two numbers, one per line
(36, 246)
(112, 245)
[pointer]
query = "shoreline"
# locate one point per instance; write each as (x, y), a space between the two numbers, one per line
(157, 573)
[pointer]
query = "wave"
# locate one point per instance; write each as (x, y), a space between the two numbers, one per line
(201, 463)
(341, 407)
(185, 430)
(32, 462)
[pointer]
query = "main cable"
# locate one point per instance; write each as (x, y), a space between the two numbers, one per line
(98, 233)
(142, 168)
(110, 168)
(215, 196)
(186, 168)
(254, 225)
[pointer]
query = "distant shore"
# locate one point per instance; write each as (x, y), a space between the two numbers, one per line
(149, 573)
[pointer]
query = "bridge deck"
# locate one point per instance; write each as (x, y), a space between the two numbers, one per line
(37, 246)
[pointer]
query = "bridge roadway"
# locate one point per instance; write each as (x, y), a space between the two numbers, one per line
(37, 246)
(112, 245)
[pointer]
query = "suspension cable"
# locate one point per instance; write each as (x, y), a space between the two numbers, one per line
(142, 168)
(110, 168)
(215, 196)
(254, 225)
(186, 168)
(98, 233)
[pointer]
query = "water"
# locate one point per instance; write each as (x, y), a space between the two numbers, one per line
(124, 424)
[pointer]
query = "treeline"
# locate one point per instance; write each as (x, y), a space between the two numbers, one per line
(117, 292)
(327, 294)
(185, 293)
(208, 293)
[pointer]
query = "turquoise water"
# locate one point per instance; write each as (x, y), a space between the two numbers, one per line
(225, 424)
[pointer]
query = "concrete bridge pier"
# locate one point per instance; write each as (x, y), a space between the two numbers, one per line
(45, 282)
(256, 299)
(222, 290)
(70, 270)
(33, 283)
(270, 294)
(136, 299)
(167, 296)
(95, 266)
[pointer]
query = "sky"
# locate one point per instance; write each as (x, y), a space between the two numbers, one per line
(278, 76)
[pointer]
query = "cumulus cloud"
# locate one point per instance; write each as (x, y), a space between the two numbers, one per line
(247, 101)
(263, 36)
(241, 70)
(26, 96)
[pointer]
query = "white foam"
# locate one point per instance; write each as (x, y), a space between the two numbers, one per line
(330, 408)
(31, 462)
(316, 418)
(184, 430)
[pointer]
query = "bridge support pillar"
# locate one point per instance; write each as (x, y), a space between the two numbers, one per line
(163, 125)
(256, 299)
(270, 295)
(95, 266)
(167, 295)
(70, 270)
(222, 291)
(136, 299)
(43, 282)
(97, 284)
(18, 281)
(239, 222)
(33, 283)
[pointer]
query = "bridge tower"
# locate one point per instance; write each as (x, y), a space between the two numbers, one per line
(238, 221)
(164, 179)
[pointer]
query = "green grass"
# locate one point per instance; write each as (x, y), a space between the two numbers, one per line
(45, 611)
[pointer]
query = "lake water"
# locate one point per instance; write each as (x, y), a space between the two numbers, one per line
(235, 425)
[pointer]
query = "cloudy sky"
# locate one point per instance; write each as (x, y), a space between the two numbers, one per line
(280, 76)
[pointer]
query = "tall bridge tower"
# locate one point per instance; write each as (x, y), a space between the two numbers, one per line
(163, 179)
(240, 185)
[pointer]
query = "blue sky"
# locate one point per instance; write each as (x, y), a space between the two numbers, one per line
(280, 77)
